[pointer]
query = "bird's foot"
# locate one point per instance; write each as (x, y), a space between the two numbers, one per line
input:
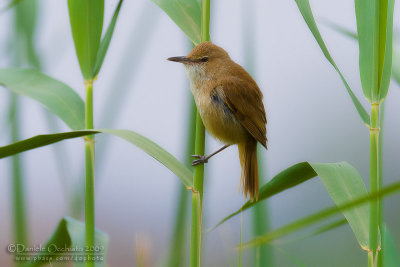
(199, 160)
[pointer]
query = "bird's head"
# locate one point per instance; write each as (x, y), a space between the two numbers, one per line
(205, 59)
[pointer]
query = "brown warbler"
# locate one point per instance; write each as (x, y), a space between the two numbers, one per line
(230, 105)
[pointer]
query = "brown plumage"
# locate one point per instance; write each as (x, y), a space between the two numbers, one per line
(230, 104)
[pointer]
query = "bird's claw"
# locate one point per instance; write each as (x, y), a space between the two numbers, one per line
(199, 160)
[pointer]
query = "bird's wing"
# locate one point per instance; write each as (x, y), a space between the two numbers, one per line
(244, 99)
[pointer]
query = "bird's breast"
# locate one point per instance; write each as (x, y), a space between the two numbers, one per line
(217, 118)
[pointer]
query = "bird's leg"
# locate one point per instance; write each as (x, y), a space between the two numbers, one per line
(204, 159)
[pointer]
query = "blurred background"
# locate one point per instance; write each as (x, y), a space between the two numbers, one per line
(310, 118)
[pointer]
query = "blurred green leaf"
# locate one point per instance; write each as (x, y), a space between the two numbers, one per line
(86, 17)
(286, 179)
(149, 147)
(328, 227)
(70, 234)
(341, 29)
(305, 9)
(106, 40)
(294, 260)
(319, 230)
(186, 14)
(11, 4)
(344, 184)
(375, 39)
(396, 66)
(319, 216)
(23, 43)
(391, 255)
(54, 95)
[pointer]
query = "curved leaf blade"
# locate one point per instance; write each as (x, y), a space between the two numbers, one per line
(155, 151)
(86, 18)
(288, 178)
(149, 147)
(319, 216)
(106, 40)
(319, 230)
(390, 253)
(306, 12)
(39, 141)
(344, 184)
(186, 14)
(70, 234)
(54, 95)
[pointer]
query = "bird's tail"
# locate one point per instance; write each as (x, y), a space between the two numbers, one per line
(248, 161)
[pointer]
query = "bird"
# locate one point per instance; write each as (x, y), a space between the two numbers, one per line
(230, 104)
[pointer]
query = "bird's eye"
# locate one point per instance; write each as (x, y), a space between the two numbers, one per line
(204, 59)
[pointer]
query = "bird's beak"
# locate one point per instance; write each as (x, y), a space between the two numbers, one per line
(180, 59)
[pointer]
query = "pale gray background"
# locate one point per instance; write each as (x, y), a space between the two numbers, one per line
(310, 117)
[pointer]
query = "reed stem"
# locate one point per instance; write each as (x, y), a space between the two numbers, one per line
(18, 196)
(198, 176)
(380, 170)
(374, 184)
(260, 213)
(89, 185)
(178, 243)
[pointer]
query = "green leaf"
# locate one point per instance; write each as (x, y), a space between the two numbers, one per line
(86, 17)
(390, 254)
(11, 4)
(319, 230)
(344, 184)
(286, 179)
(70, 237)
(106, 40)
(54, 95)
(342, 30)
(396, 66)
(375, 32)
(320, 216)
(186, 14)
(149, 147)
(294, 261)
(305, 9)
(328, 227)
(25, 22)
(156, 152)
(353, 35)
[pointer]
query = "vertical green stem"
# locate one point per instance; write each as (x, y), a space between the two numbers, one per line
(374, 182)
(198, 176)
(197, 197)
(261, 224)
(22, 54)
(260, 214)
(205, 20)
(89, 185)
(380, 170)
(177, 252)
(18, 196)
